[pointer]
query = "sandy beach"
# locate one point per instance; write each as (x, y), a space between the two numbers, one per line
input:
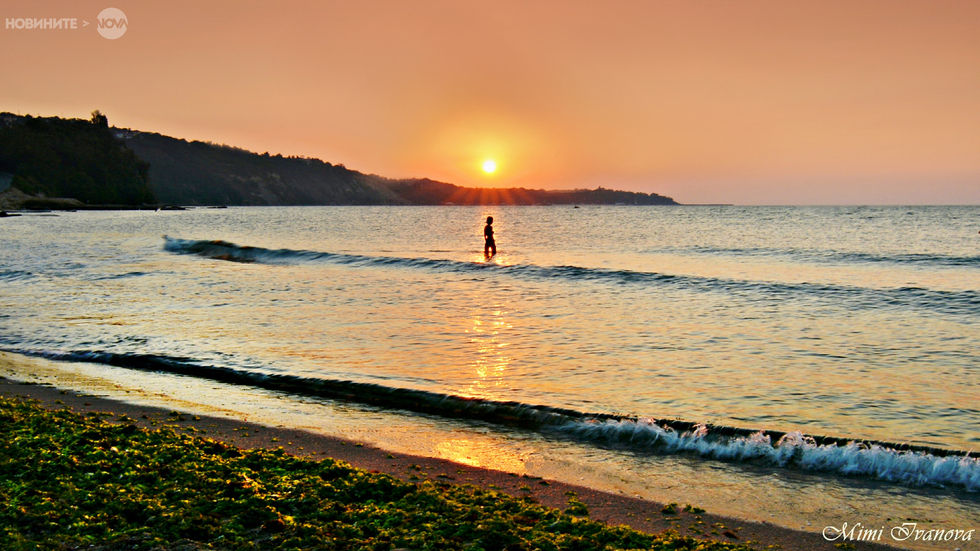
(613, 509)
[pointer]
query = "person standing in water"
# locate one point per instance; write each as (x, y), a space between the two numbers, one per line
(490, 246)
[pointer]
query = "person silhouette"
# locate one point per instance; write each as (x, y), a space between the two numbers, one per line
(490, 246)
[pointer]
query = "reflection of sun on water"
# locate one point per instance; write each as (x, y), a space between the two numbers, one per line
(479, 454)
(490, 360)
(497, 259)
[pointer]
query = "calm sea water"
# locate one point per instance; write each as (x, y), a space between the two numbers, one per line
(856, 323)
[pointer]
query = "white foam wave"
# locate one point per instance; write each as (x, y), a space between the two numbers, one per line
(795, 450)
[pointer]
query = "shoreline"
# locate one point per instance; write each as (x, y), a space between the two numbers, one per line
(613, 509)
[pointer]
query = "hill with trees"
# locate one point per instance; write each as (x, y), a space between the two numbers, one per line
(72, 158)
(430, 192)
(94, 164)
(203, 173)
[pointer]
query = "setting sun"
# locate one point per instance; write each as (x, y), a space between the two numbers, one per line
(489, 167)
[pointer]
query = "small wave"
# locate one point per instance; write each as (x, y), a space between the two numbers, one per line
(914, 258)
(842, 257)
(943, 302)
(121, 276)
(15, 275)
(900, 463)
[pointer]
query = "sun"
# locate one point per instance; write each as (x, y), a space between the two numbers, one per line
(489, 166)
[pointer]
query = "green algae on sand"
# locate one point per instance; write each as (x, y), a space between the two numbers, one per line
(71, 482)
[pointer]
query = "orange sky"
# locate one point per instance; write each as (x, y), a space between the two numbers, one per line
(727, 101)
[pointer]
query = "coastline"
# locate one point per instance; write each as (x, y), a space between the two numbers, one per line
(613, 509)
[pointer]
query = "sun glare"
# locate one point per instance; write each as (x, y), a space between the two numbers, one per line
(489, 167)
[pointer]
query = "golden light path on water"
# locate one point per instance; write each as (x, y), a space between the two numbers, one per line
(490, 355)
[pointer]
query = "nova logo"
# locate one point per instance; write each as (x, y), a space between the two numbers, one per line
(112, 23)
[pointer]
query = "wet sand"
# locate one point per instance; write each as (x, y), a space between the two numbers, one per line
(647, 516)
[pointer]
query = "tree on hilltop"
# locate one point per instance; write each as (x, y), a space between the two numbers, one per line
(73, 158)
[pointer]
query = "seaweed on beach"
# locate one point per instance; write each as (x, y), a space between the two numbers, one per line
(69, 482)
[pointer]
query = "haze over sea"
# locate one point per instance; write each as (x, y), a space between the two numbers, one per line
(858, 323)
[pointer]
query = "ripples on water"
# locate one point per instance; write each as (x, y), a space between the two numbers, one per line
(846, 322)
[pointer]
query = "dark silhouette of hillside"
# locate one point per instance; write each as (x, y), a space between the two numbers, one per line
(199, 173)
(71, 158)
(95, 164)
(430, 192)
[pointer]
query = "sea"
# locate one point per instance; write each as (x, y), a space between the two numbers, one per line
(805, 366)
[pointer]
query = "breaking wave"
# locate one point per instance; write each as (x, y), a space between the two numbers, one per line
(898, 463)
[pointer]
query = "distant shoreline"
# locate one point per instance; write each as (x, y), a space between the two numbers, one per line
(74, 208)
